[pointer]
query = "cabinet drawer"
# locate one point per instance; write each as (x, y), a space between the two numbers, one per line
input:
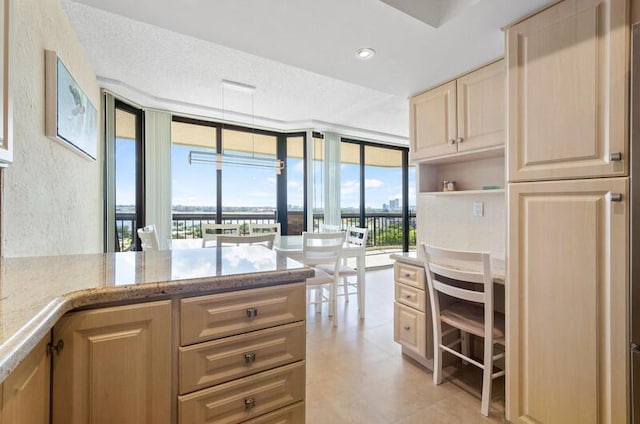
(293, 414)
(410, 275)
(411, 296)
(226, 314)
(410, 328)
(240, 400)
(206, 364)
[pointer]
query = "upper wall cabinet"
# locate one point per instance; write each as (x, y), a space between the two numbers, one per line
(567, 92)
(464, 115)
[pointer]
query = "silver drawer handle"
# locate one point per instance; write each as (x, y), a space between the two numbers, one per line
(459, 140)
(615, 157)
(616, 197)
(249, 403)
(406, 275)
(406, 327)
(252, 312)
(408, 296)
(249, 358)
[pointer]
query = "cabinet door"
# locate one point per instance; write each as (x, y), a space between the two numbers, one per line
(25, 393)
(115, 366)
(567, 92)
(433, 122)
(409, 329)
(481, 112)
(567, 354)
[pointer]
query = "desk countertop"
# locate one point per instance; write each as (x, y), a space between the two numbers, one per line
(411, 258)
(36, 291)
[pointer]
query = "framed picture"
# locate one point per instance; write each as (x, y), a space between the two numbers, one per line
(71, 118)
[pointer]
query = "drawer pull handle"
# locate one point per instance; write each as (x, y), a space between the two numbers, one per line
(252, 312)
(408, 296)
(249, 403)
(407, 327)
(407, 275)
(249, 358)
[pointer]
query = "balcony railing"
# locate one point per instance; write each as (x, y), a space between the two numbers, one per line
(385, 228)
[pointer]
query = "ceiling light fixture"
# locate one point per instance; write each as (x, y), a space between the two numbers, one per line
(365, 53)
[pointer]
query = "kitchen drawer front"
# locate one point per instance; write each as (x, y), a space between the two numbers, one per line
(206, 364)
(411, 296)
(241, 400)
(410, 275)
(409, 328)
(226, 314)
(293, 414)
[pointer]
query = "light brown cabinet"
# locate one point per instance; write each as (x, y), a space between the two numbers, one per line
(25, 393)
(115, 366)
(242, 356)
(567, 72)
(412, 324)
(567, 306)
(463, 115)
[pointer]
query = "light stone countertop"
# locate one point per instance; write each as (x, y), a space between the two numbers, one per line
(411, 258)
(36, 291)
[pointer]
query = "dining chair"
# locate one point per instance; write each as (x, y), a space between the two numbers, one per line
(471, 311)
(149, 238)
(329, 228)
(358, 237)
(261, 239)
(211, 231)
(264, 228)
(321, 252)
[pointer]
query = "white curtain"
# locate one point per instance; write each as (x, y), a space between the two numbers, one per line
(157, 174)
(332, 213)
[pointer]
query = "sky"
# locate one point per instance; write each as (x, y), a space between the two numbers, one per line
(195, 185)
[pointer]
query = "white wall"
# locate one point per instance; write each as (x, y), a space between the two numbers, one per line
(52, 197)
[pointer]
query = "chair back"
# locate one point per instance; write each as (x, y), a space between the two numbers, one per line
(261, 239)
(358, 236)
(322, 249)
(211, 231)
(329, 228)
(264, 228)
(149, 238)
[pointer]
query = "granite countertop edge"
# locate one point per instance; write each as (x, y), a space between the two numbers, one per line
(17, 347)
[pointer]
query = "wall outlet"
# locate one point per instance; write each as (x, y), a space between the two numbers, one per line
(478, 209)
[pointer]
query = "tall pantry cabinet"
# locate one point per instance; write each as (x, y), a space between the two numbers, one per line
(568, 214)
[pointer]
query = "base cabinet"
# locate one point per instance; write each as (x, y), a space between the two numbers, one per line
(25, 393)
(115, 366)
(567, 350)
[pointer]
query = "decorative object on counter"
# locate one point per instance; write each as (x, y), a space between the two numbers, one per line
(448, 185)
(491, 187)
(71, 118)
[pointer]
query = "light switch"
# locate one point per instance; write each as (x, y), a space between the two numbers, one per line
(478, 209)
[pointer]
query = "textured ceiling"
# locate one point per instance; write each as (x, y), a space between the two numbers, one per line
(299, 54)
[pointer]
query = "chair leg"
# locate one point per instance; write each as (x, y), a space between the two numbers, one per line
(437, 354)
(345, 289)
(333, 302)
(318, 294)
(486, 377)
(464, 345)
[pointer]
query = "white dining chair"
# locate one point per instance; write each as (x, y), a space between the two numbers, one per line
(261, 239)
(321, 251)
(329, 228)
(149, 238)
(264, 228)
(470, 312)
(211, 231)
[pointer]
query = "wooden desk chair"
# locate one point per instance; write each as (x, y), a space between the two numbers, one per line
(149, 238)
(263, 239)
(255, 229)
(471, 311)
(211, 231)
(321, 251)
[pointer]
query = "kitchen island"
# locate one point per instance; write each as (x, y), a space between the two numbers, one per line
(37, 292)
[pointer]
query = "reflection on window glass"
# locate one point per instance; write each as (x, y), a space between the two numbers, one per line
(318, 182)
(412, 207)
(193, 186)
(295, 185)
(350, 184)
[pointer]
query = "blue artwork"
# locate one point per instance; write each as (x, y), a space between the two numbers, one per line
(77, 117)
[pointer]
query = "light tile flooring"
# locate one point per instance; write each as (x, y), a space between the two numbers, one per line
(356, 373)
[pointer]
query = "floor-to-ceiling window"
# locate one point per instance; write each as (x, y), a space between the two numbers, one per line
(128, 160)
(295, 187)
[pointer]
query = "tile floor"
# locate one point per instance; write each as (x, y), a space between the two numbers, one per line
(356, 373)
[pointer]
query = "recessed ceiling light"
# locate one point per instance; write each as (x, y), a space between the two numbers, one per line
(365, 53)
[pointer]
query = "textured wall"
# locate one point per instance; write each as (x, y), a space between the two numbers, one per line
(52, 197)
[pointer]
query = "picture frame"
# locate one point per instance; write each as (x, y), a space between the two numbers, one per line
(71, 118)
